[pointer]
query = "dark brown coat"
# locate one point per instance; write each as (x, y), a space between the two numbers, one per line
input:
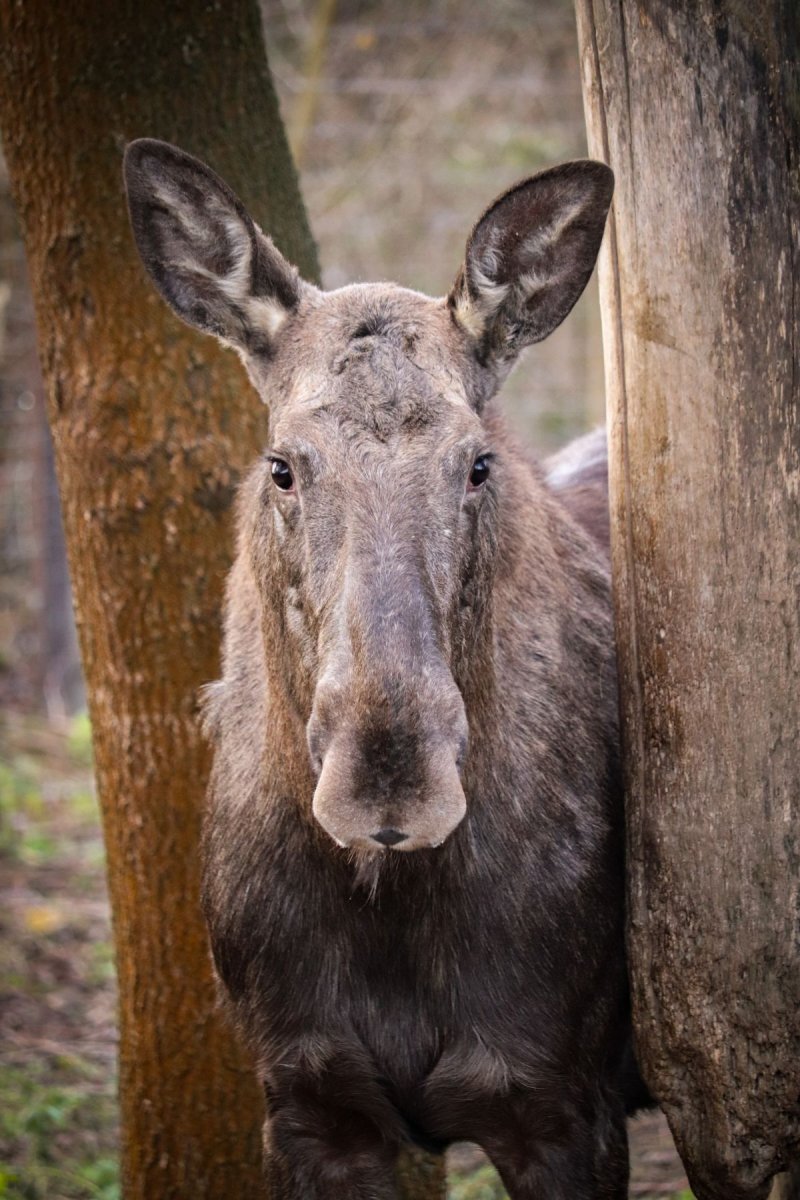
(413, 853)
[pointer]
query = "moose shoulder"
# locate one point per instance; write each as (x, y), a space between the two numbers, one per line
(413, 849)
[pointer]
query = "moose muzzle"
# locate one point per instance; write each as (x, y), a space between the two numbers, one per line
(389, 759)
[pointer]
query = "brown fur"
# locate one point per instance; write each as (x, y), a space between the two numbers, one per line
(404, 652)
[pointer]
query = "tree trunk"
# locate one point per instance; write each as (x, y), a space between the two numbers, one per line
(62, 682)
(151, 425)
(697, 108)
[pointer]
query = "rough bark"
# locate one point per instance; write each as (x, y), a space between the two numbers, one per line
(62, 681)
(151, 426)
(697, 108)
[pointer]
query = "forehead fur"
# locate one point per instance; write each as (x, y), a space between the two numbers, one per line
(375, 356)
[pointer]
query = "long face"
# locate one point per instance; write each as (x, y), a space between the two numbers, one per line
(379, 492)
(377, 482)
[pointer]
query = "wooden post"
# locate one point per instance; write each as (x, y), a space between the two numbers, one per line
(696, 106)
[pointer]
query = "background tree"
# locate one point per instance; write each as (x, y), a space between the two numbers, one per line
(697, 108)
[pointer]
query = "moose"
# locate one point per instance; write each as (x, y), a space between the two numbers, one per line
(413, 849)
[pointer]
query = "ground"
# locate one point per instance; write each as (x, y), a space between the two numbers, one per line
(58, 1113)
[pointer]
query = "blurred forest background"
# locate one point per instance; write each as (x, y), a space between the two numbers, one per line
(405, 119)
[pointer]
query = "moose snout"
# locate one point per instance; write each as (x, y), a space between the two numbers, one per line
(389, 784)
(358, 809)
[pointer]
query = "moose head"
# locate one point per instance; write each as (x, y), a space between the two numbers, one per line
(379, 498)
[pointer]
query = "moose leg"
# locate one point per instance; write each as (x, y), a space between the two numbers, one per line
(566, 1156)
(611, 1164)
(316, 1152)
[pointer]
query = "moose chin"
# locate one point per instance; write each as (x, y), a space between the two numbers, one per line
(413, 851)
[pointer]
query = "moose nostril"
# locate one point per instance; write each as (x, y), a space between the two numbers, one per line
(461, 753)
(389, 837)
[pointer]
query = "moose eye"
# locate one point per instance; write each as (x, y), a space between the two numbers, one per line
(480, 471)
(281, 475)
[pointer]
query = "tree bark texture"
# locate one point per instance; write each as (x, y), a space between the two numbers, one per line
(697, 109)
(151, 425)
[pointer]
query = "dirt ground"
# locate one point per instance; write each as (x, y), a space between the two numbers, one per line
(58, 1113)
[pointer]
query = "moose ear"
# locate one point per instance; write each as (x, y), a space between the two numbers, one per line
(530, 256)
(205, 254)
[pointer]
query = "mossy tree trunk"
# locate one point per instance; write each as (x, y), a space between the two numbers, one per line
(697, 109)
